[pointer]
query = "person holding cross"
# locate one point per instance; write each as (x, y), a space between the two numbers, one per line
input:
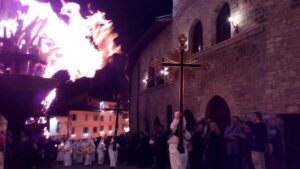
(178, 160)
(112, 146)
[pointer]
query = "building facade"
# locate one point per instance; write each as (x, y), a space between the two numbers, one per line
(254, 56)
(83, 124)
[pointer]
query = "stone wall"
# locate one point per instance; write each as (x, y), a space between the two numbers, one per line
(256, 70)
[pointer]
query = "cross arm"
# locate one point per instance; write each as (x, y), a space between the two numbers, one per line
(185, 65)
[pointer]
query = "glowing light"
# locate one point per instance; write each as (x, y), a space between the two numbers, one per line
(145, 80)
(73, 135)
(49, 99)
(126, 129)
(101, 105)
(80, 46)
(30, 120)
(42, 120)
(46, 133)
(235, 20)
(102, 133)
(85, 135)
(165, 71)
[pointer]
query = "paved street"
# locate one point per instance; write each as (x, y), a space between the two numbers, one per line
(106, 166)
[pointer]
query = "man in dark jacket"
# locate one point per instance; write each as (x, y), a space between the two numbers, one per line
(259, 132)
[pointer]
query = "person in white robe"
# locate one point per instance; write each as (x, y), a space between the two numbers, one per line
(178, 160)
(79, 151)
(68, 154)
(89, 147)
(101, 152)
(74, 148)
(60, 152)
(113, 152)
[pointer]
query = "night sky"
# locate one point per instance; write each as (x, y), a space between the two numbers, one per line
(131, 19)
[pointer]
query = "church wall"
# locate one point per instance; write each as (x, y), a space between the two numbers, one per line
(256, 70)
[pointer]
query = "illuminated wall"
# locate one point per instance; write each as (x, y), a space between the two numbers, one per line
(83, 124)
(58, 126)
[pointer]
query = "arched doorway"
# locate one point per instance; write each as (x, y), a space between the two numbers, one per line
(218, 110)
(169, 116)
(190, 120)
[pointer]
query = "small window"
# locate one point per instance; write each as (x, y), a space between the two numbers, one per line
(110, 128)
(110, 118)
(73, 130)
(58, 127)
(73, 117)
(101, 128)
(197, 37)
(223, 25)
(86, 117)
(95, 117)
(101, 118)
(94, 129)
(85, 130)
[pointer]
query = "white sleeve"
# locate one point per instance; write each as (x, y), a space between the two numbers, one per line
(174, 125)
(187, 135)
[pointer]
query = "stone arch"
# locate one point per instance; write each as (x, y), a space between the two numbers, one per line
(196, 36)
(218, 89)
(218, 111)
(190, 119)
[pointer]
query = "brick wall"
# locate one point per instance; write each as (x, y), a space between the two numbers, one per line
(256, 70)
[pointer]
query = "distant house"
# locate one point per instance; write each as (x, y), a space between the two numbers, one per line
(58, 126)
(83, 124)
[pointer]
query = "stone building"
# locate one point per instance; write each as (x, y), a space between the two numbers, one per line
(254, 60)
(94, 123)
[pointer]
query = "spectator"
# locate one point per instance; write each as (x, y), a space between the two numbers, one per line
(259, 131)
(232, 135)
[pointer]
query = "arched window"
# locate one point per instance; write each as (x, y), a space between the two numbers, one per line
(197, 37)
(223, 25)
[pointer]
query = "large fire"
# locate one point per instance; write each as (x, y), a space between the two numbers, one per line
(80, 45)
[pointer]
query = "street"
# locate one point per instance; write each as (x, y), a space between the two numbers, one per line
(94, 166)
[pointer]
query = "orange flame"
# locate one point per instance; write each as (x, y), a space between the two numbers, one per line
(80, 46)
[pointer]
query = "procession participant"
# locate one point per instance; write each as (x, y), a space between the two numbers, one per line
(89, 148)
(178, 160)
(60, 152)
(68, 153)
(113, 151)
(79, 151)
(101, 151)
(74, 148)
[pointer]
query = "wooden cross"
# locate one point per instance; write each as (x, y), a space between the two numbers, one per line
(117, 110)
(182, 39)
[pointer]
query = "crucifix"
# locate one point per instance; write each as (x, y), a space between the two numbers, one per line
(182, 39)
(118, 109)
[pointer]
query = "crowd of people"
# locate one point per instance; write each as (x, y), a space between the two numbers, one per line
(246, 144)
